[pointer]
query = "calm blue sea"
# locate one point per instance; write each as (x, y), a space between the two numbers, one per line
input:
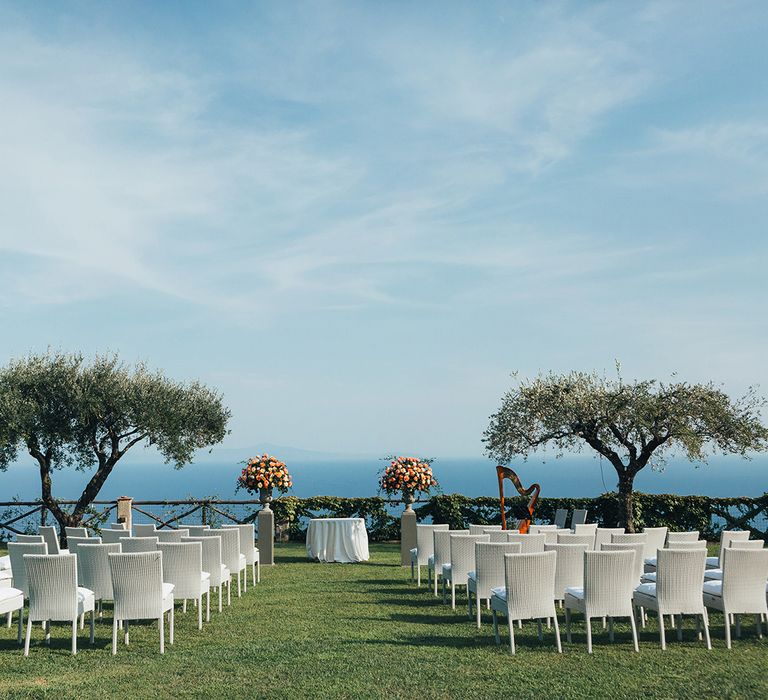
(570, 476)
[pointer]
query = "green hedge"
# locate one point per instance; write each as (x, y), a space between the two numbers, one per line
(707, 515)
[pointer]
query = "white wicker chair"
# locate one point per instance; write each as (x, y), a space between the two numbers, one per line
(164, 536)
(424, 549)
(212, 564)
(655, 537)
(675, 537)
(586, 529)
(75, 532)
(717, 574)
(144, 530)
(456, 572)
(629, 538)
(529, 544)
(183, 567)
(569, 571)
(637, 563)
(114, 536)
(51, 537)
(528, 593)
(538, 529)
(74, 543)
(677, 590)
(16, 553)
(30, 539)
(11, 600)
(195, 530)
(561, 516)
(249, 550)
(230, 555)
(604, 534)
(579, 517)
(568, 538)
(140, 594)
(650, 563)
(497, 536)
(54, 595)
(93, 568)
(442, 553)
(726, 537)
(488, 573)
(479, 529)
(608, 587)
(118, 526)
(742, 589)
(137, 545)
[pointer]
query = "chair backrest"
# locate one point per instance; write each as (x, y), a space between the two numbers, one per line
(463, 555)
(138, 545)
(561, 516)
(692, 544)
(747, 544)
(75, 532)
(537, 529)
(170, 535)
(586, 529)
(579, 517)
(230, 547)
(93, 565)
(137, 585)
(425, 541)
(609, 581)
(604, 534)
(144, 530)
(489, 565)
(183, 567)
(442, 546)
(30, 539)
(728, 536)
(51, 586)
(195, 530)
(654, 540)
(497, 536)
(118, 526)
(745, 572)
(679, 578)
(51, 538)
(247, 534)
(568, 538)
(478, 529)
(529, 544)
(689, 536)
(211, 554)
(630, 538)
(74, 542)
(114, 536)
(16, 552)
(569, 569)
(530, 583)
(638, 563)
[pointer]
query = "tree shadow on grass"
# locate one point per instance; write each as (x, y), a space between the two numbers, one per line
(426, 619)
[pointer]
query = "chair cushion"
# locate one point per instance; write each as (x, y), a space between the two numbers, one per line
(651, 561)
(8, 593)
(10, 599)
(713, 575)
(472, 576)
(713, 562)
(5, 575)
(648, 577)
(647, 589)
(575, 592)
(414, 551)
(447, 571)
(5, 563)
(86, 600)
(168, 589)
(713, 588)
(500, 592)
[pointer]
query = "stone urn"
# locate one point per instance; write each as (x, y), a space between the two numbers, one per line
(408, 499)
(265, 497)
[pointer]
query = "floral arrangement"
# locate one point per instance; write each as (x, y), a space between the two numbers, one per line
(264, 472)
(407, 474)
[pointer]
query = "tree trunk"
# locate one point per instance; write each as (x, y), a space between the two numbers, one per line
(627, 501)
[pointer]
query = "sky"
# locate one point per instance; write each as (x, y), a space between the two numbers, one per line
(356, 220)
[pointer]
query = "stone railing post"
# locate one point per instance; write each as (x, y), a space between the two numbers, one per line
(266, 540)
(125, 512)
(407, 534)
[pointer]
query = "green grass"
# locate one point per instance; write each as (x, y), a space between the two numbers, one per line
(314, 630)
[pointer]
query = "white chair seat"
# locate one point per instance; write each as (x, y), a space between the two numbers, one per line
(167, 596)
(5, 576)
(577, 593)
(243, 562)
(86, 600)
(205, 582)
(472, 576)
(10, 599)
(500, 592)
(253, 556)
(713, 575)
(713, 588)
(648, 577)
(713, 562)
(646, 589)
(5, 563)
(651, 561)
(225, 573)
(447, 571)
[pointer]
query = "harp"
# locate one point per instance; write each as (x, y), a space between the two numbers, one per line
(533, 491)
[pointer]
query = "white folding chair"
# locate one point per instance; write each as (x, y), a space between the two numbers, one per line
(137, 545)
(488, 573)
(249, 550)
(183, 567)
(442, 553)
(456, 572)
(213, 565)
(424, 549)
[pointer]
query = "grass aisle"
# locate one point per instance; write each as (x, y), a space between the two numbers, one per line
(364, 631)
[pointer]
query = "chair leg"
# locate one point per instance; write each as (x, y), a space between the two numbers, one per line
(705, 619)
(208, 606)
(170, 635)
(10, 617)
(418, 576)
(642, 617)
(727, 631)
(496, 628)
(738, 626)
(47, 628)
(444, 598)
(698, 628)
(21, 625)
(184, 606)
(161, 625)
(74, 634)
(610, 629)
(541, 636)
(557, 635)
(93, 627)
(434, 573)
(412, 572)
(679, 628)
(220, 597)
(245, 580)
(239, 590)
(511, 637)
(478, 610)
(453, 595)
(662, 635)
(28, 637)
(469, 602)
(229, 592)
(634, 632)
(126, 630)
(114, 636)
(589, 635)
(759, 624)
(200, 613)
(568, 624)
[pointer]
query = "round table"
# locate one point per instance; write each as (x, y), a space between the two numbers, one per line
(337, 539)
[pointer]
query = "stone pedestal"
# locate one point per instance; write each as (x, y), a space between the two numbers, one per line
(125, 512)
(266, 541)
(407, 535)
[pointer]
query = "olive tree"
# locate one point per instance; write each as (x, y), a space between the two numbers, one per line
(65, 411)
(632, 425)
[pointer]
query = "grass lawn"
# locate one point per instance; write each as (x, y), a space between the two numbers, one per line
(314, 630)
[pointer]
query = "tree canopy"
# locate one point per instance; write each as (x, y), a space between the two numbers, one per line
(631, 424)
(68, 412)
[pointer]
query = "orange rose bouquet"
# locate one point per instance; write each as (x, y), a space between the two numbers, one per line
(264, 472)
(407, 475)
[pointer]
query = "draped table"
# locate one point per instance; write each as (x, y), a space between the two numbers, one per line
(337, 539)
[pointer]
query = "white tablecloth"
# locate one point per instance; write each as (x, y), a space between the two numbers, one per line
(337, 539)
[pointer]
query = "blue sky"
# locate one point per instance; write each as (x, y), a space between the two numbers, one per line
(357, 219)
